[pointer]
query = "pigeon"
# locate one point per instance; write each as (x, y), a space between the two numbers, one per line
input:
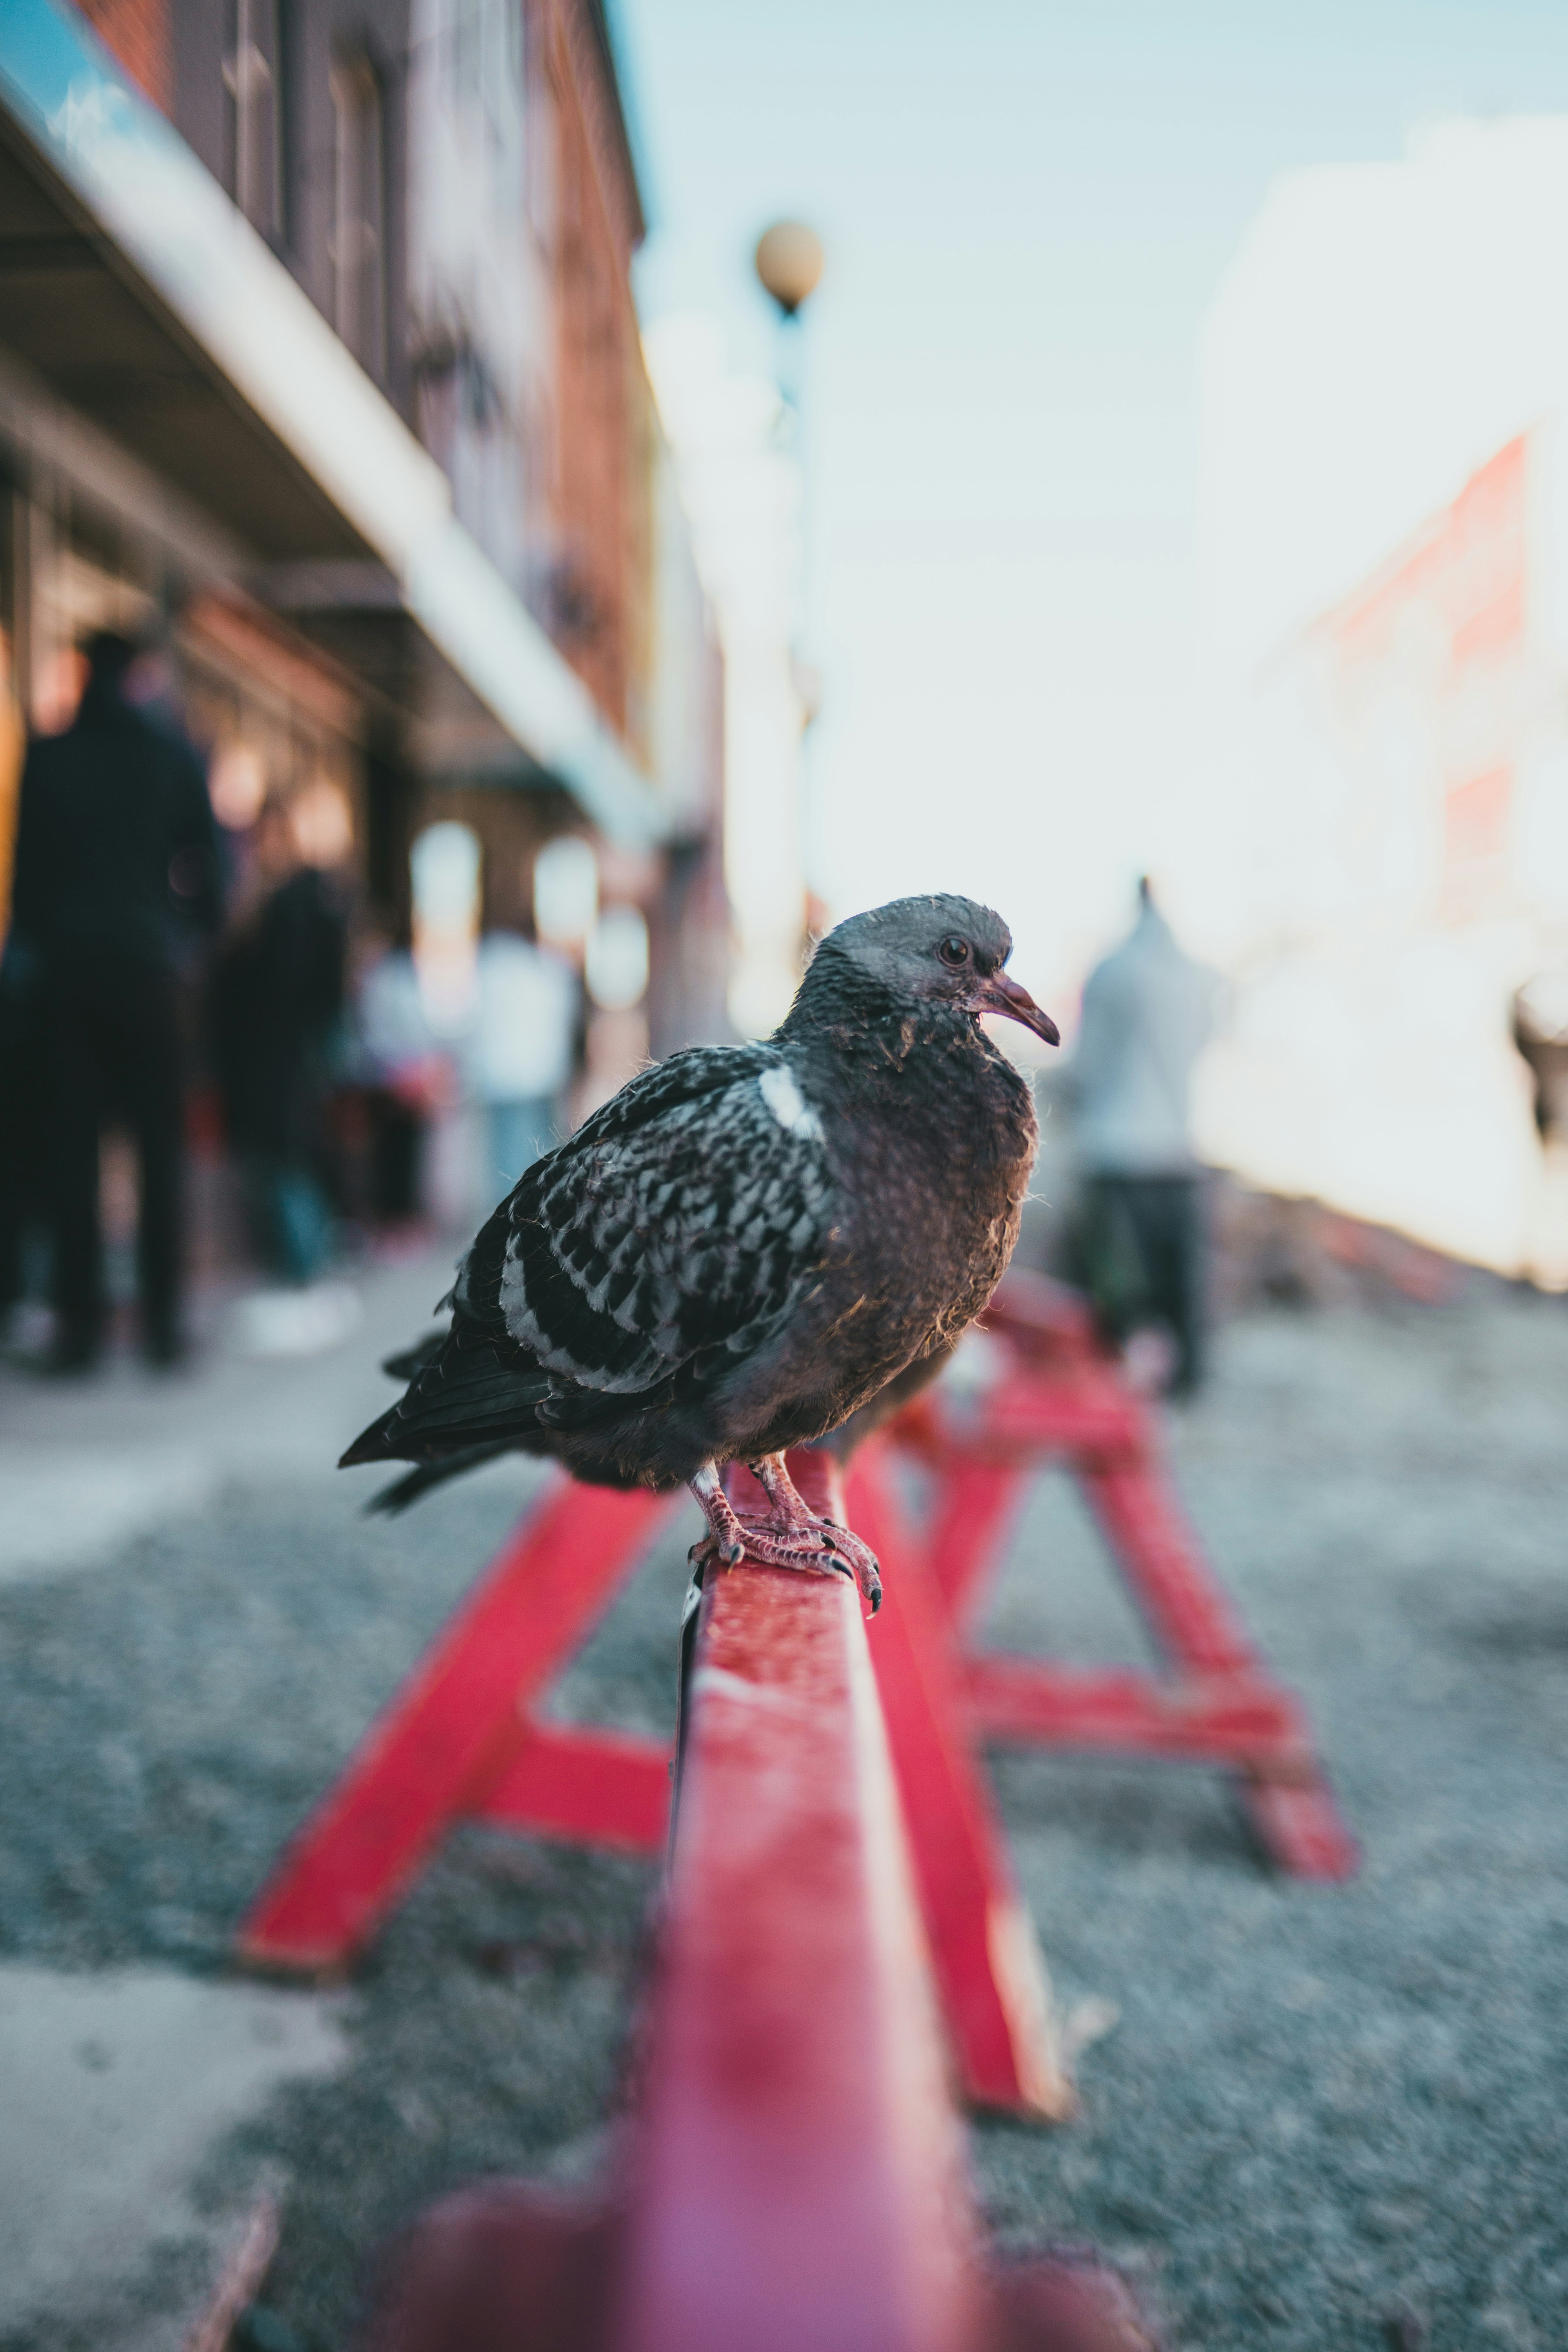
(746, 1244)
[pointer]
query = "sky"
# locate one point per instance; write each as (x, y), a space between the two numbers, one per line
(1026, 211)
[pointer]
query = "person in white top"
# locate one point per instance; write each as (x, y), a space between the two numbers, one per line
(521, 1050)
(1148, 1012)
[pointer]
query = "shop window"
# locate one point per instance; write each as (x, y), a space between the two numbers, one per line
(565, 891)
(251, 77)
(445, 862)
(358, 239)
(618, 959)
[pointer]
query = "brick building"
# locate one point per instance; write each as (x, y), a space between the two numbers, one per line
(317, 336)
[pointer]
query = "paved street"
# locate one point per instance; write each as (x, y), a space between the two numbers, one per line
(1317, 2110)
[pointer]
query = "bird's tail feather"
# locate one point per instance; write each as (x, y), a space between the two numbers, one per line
(418, 1482)
(379, 1442)
(409, 1362)
(460, 1396)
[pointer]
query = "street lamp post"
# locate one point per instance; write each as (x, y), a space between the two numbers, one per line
(789, 262)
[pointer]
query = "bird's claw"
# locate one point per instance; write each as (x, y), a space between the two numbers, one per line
(861, 1563)
(710, 1552)
(819, 1548)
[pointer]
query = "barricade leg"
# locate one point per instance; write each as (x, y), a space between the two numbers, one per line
(976, 1507)
(1187, 1610)
(457, 1739)
(1282, 1785)
(1217, 1703)
(995, 1988)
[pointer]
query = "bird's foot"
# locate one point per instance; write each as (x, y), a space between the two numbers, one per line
(717, 1551)
(817, 1546)
(862, 1562)
(789, 1536)
(828, 1544)
(725, 1541)
(820, 1549)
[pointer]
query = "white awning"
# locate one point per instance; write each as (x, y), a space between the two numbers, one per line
(185, 251)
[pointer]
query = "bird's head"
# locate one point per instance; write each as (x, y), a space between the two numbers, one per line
(942, 949)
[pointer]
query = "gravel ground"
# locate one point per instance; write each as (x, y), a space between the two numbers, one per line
(1320, 2110)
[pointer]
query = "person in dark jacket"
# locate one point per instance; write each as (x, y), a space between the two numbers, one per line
(116, 879)
(277, 999)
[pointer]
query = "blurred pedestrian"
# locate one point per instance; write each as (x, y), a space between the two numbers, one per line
(116, 882)
(277, 1004)
(1540, 1038)
(1148, 1012)
(406, 1076)
(521, 1049)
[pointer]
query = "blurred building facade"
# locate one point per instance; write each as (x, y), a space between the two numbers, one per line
(1386, 621)
(317, 339)
(736, 440)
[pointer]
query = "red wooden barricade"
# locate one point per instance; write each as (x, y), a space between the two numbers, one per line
(462, 1739)
(1058, 1398)
(793, 2176)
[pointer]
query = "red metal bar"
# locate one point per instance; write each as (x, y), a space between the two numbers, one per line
(1087, 1413)
(800, 2173)
(976, 1507)
(1188, 1610)
(1297, 1822)
(601, 1787)
(442, 1747)
(1220, 1721)
(995, 1994)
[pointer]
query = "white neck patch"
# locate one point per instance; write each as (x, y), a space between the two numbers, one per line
(788, 1105)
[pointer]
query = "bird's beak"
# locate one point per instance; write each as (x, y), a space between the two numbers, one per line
(1004, 995)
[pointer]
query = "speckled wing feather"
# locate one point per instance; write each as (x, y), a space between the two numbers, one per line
(670, 1233)
(685, 1218)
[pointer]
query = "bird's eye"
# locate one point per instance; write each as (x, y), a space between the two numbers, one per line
(954, 951)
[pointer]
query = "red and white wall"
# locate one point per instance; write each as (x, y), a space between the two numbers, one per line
(1380, 850)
